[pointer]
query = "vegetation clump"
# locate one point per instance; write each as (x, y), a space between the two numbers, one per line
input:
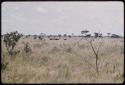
(11, 40)
(27, 48)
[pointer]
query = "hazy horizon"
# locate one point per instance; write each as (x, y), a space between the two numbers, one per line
(63, 17)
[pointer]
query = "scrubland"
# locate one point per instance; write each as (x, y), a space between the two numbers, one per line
(62, 61)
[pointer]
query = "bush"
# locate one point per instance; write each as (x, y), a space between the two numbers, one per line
(35, 36)
(11, 40)
(27, 48)
(45, 60)
(40, 38)
(4, 65)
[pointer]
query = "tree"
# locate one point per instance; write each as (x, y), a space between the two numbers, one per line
(64, 36)
(49, 36)
(88, 35)
(59, 35)
(69, 36)
(35, 36)
(96, 52)
(96, 34)
(42, 35)
(115, 36)
(108, 34)
(84, 32)
(11, 40)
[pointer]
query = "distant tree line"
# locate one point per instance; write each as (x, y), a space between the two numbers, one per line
(65, 36)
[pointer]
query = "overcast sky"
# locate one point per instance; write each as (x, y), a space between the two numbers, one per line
(63, 17)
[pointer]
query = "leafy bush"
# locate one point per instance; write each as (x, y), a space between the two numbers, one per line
(11, 40)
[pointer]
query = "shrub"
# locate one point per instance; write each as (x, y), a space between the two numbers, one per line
(27, 48)
(4, 65)
(35, 36)
(40, 37)
(45, 60)
(11, 40)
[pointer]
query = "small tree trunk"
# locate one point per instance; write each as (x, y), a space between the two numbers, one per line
(11, 51)
(96, 54)
(97, 65)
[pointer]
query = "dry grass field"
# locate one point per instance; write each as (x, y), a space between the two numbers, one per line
(62, 61)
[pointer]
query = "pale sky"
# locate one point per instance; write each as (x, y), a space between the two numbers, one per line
(63, 17)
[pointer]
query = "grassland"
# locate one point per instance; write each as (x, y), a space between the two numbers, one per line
(62, 61)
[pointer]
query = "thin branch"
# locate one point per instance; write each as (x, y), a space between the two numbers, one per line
(99, 47)
(93, 49)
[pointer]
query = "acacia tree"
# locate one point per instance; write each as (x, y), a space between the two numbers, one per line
(95, 51)
(11, 40)
(97, 34)
(84, 32)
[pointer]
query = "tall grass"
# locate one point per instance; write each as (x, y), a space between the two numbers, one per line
(61, 62)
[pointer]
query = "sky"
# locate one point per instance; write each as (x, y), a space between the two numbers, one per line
(63, 17)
